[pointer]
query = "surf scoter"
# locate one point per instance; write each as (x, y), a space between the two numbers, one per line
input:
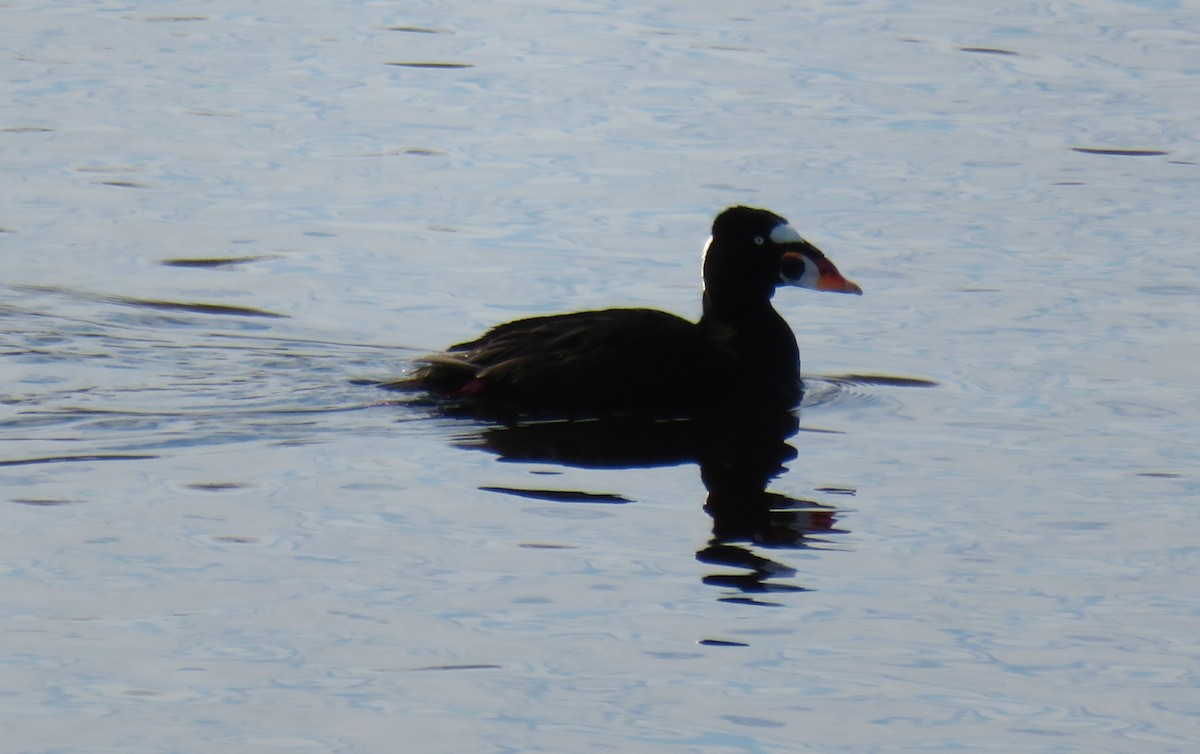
(740, 353)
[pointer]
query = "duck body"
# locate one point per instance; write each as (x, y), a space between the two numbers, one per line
(610, 360)
(740, 353)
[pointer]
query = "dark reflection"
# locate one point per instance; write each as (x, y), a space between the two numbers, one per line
(738, 453)
(1121, 152)
(561, 496)
(988, 50)
(427, 64)
(157, 304)
(214, 262)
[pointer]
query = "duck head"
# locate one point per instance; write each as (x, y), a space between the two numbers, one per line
(751, 252)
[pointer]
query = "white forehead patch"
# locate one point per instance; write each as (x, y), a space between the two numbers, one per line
(785, 233)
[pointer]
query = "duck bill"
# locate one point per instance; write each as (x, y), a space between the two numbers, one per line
(832, 280)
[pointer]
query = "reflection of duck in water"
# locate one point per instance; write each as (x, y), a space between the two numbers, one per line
(738, 452)
(740, 353)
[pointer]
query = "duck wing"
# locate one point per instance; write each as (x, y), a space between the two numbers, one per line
(601, 360)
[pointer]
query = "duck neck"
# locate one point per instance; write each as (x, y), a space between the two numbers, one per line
(751, 328)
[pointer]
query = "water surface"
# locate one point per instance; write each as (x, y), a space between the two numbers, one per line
(222, 226)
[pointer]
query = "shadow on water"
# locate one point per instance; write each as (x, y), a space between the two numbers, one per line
(738, 455)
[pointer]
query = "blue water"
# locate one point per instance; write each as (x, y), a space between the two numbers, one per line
(220, 224)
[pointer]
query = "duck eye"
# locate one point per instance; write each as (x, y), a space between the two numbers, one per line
(759, 240)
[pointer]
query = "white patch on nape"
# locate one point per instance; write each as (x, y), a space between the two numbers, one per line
(785, 233)
(704, 256)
